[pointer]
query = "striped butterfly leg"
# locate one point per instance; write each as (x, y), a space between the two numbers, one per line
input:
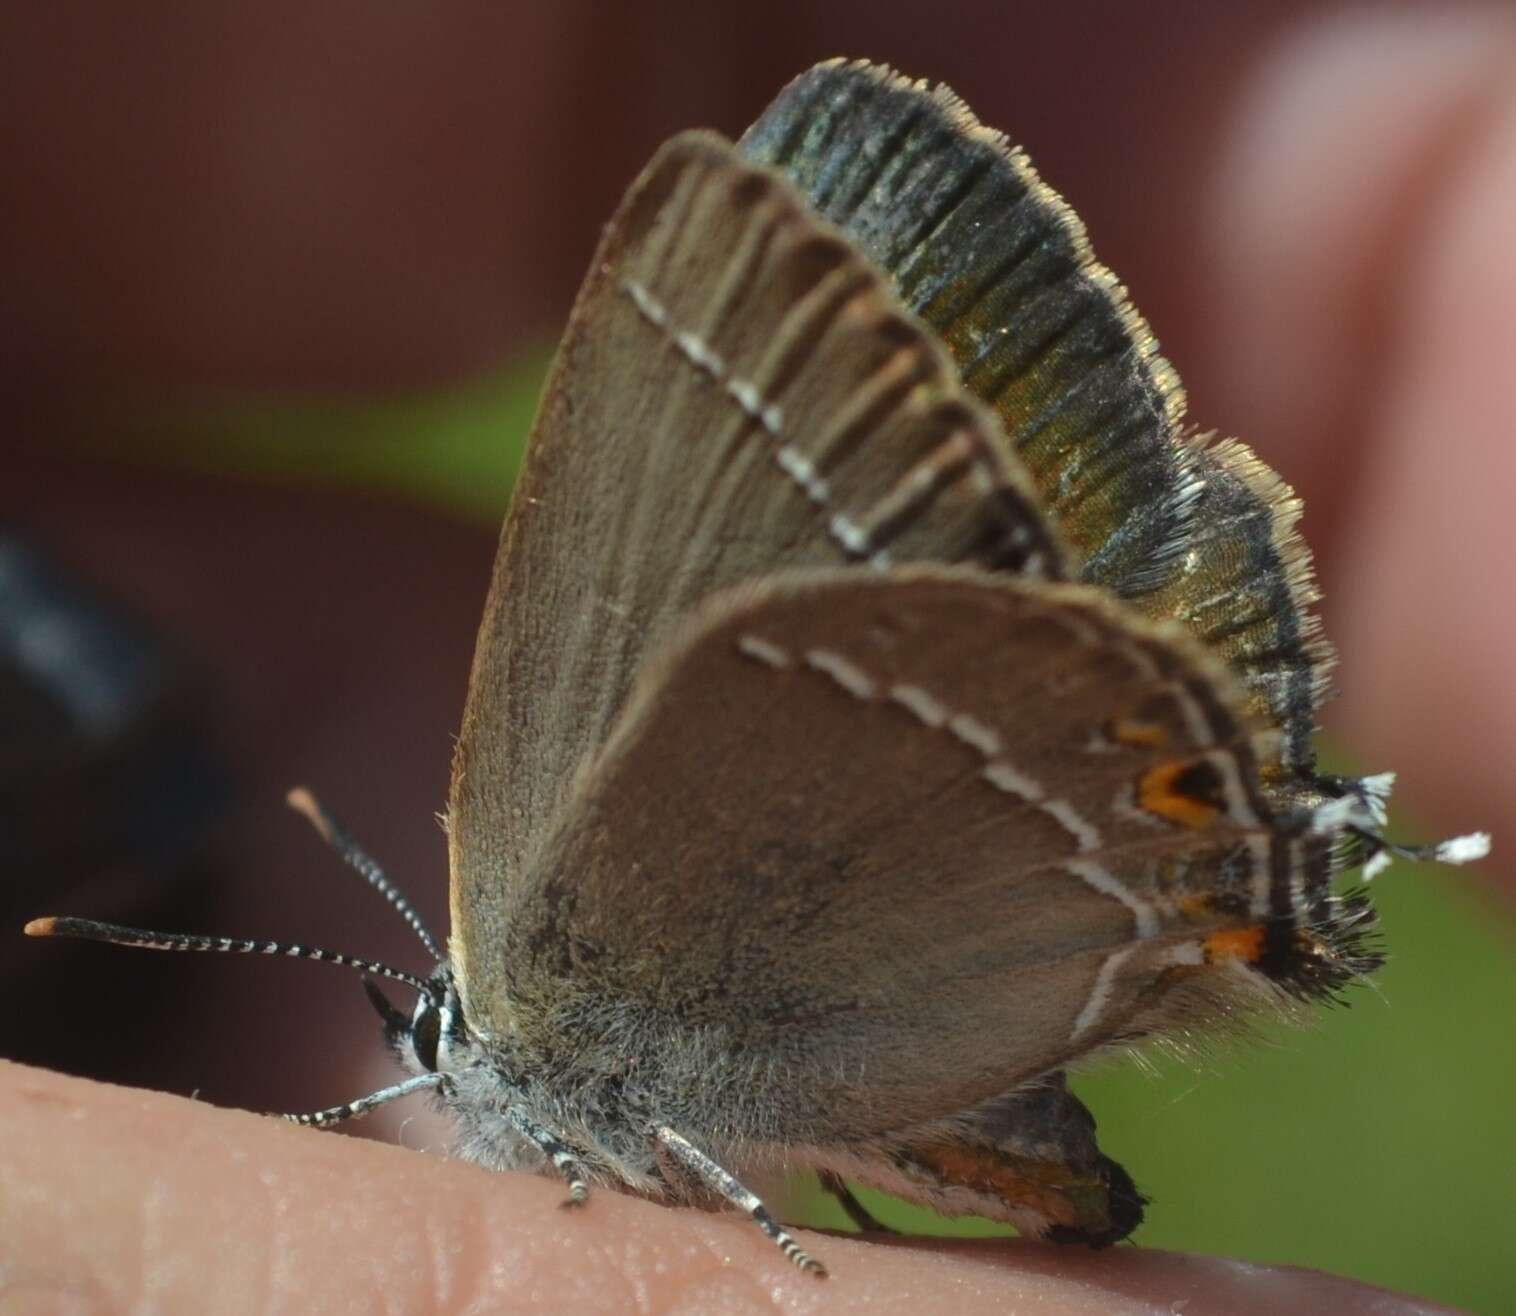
(835, 1185)
(1029, 1159)
(352, 1110)
(692, 1164)
(560, 1156)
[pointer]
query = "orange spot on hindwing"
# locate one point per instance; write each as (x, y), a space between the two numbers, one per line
(1245, 944)
(1185, 791)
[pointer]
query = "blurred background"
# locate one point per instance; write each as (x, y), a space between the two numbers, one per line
(279, 285)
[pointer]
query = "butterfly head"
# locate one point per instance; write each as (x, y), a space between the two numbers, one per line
(433, 1037)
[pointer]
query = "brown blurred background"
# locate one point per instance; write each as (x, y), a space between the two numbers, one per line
(208, 207)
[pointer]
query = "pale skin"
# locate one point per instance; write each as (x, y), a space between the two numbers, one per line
(1347, 291)
(136, 1196)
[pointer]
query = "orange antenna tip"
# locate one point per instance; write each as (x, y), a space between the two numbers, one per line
(40, 927)
(304, 803)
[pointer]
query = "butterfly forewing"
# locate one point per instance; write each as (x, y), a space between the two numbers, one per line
(738, 392)
(988, 255)
(910, 840)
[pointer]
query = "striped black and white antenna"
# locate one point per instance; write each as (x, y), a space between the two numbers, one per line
(303, 802)
(327, 827)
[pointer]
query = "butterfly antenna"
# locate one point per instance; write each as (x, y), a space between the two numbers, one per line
(330, 831)
(88, 929)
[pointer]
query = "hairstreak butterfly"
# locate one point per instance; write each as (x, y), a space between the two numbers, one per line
(882, 702)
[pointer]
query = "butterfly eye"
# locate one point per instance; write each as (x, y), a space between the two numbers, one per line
(426, 1031)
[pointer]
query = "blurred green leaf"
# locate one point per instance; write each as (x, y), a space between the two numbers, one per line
(459, 447)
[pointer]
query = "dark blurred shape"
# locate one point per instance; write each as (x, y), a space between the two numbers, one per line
(109, 779)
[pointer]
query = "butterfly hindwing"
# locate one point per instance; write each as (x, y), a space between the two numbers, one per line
(807, 849)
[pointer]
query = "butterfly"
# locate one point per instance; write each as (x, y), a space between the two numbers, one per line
(883, 703)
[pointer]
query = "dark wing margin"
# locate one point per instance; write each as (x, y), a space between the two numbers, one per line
(994, 260)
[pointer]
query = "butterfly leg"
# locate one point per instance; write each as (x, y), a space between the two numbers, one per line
(563, 1159)
(857, 1212)
(705, 1171)
(352, 1110)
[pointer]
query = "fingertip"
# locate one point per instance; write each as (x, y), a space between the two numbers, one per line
(239, 1205)
(1337, 146)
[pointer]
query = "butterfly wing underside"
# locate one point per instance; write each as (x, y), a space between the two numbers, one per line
(737, 392)
(805, 846)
